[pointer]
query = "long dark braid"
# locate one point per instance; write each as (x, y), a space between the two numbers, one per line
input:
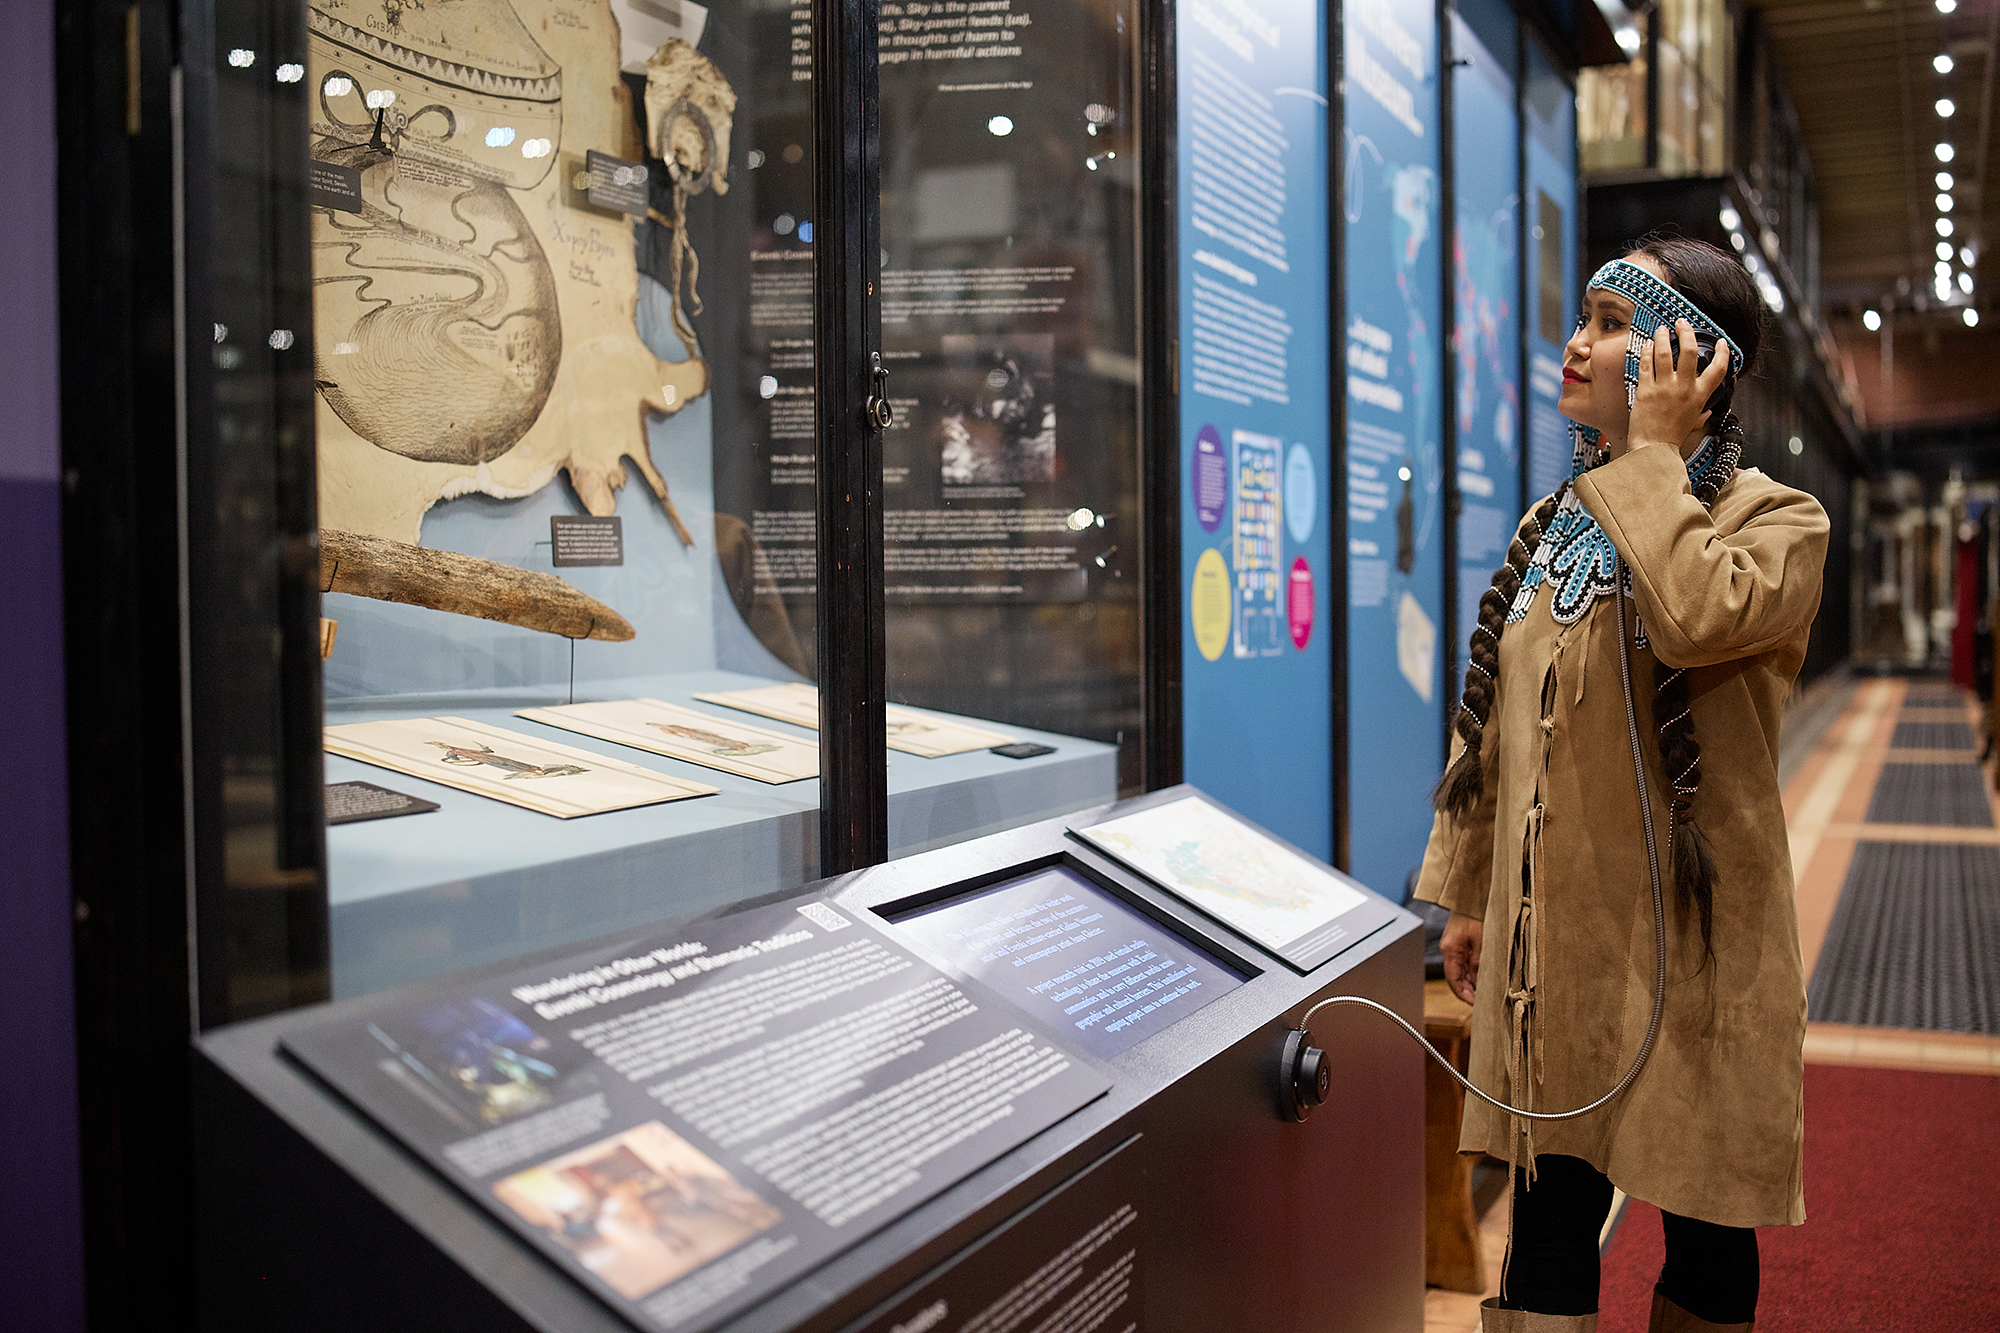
(1680, 752)
(1459, 790)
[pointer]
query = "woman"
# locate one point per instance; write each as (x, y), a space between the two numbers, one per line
(1710, 575)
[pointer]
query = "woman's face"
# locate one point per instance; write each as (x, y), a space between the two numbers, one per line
(1593, 391)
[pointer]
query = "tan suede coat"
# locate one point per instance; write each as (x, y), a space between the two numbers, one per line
(1712, 1126)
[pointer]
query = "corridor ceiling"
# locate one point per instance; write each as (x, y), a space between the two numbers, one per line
(1867, 79)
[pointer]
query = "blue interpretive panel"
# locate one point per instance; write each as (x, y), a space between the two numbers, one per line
(1549, 121)
(1486, 268)
(1256, 411)
(1395, 481)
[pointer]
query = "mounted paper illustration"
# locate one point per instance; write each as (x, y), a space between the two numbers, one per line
(474, 314)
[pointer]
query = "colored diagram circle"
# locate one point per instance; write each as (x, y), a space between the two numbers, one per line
(1210, 482)
(1299, 603)
(1301, 493)
(1208, 604)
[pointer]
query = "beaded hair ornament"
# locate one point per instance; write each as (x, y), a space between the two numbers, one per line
(1562, 544)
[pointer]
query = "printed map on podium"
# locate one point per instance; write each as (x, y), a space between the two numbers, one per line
(1245, 879)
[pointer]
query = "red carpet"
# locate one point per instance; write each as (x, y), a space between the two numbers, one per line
(1902, 1225)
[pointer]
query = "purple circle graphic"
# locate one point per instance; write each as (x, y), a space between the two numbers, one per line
(1211, 479)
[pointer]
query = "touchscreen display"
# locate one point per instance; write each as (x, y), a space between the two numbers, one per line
(1075, 957)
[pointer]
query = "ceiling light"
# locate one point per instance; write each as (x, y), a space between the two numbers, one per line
(1945, 181)
(1965, 283)
(1944, 203)
(1971, 317)
(1944, 226)
(1628, 41)
(1796, 445)
(1943, 286)
(1943, 267)
(1944, 249)
(1943, 152)
(1942, 64)
(1946, 107)
(1966, 257)
(1871, 320)
(1002, 126)
(1945, 6)
(1729, 218)
(1736, 239)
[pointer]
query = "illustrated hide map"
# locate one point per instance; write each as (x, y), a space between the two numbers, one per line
(474, 316)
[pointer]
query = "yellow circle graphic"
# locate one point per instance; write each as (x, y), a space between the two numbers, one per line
(1208, 604)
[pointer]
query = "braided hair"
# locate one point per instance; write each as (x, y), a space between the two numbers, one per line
(1459, 790)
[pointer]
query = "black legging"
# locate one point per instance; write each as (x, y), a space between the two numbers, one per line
(1711, 1271)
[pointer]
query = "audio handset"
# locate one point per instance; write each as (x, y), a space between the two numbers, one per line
(1718, 402)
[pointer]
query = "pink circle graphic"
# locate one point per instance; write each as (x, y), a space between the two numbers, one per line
(1299, 602)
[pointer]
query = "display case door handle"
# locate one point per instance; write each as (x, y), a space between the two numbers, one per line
(877, 411)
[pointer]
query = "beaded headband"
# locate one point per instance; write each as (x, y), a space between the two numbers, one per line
(1654, 306)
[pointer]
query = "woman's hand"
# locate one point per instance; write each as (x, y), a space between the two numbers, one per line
(1672, 400)
(1460, 946)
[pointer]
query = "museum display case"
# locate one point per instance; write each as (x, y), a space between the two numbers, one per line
(537, 341)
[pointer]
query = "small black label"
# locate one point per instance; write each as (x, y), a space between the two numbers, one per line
(586, 539)
(335, 186)
(352, 802)
(616, 184)
(1022, 750)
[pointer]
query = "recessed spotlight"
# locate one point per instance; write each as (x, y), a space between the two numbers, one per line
(1944, 249)
(291, 73)
(1965, 283)
(1945, 6)
(500, 136)
(380, 98)
(1943, 286)
(1729, 218)
(1943, 268)
(1942, 64)
(337, 86)
(1945, 203)
(1943, 152)
(242, 58)
(1871, 320)
(1629, 40)
(1945, 180)
(1946, 107)
(1736, 239)
(1971, 317)
(1966, 257)
(1796, 445)
(1944, 226)
(1000, 126)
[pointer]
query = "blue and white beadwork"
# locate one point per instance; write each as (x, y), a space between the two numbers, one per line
(1576, 558)
(1654, 306)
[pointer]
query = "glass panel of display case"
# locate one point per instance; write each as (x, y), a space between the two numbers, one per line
(1010, 329)
(562, 258)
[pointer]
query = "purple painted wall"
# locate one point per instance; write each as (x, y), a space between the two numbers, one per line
(41, 1226)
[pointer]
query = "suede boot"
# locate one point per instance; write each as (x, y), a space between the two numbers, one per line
(1492, 1319)
(1670, 1318)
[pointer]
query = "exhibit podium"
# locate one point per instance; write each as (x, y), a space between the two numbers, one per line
(1030, 1081)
